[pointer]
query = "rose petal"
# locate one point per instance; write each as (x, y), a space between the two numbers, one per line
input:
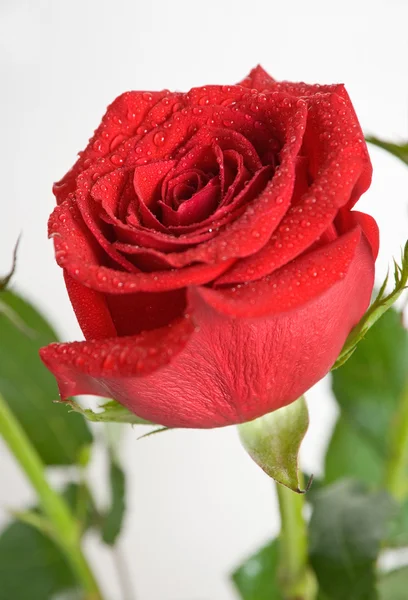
(347, 220)
(291, 286)
(121, 120)
(196, 208)
(148, 178)
(236, 369)
(256, 191)
(143, 311)
(77, 251)
(260, 80)
(91, 367)
(340, 171)
(91, 310)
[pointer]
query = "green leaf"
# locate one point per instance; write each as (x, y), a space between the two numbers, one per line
(369, 389)
(79, 499)
(31, 565)
(111, 412)
(394, 585)
(345, 533)
(273, 441)
(381, 305)
(30, 389)
(257, 577)
(114, 518)
(398, 150)
(397, 535)
(349, 454)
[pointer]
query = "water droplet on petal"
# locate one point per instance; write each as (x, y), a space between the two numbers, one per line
(204, 100)
(116, 159)
(97, 146)
(159, 138)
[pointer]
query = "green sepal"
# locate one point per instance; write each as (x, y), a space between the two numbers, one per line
(111, 412)
(273, 442)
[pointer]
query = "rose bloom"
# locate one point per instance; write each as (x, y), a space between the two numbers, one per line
(210, 250)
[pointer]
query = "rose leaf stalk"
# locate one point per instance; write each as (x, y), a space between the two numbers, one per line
(65, 528)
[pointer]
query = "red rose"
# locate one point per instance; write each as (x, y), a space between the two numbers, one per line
(210, 251)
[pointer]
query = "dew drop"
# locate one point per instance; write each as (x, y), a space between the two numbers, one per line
(101, 277)
(116, 159)
(159, 138)
(97, 146)
(176, 107)
(79, 361)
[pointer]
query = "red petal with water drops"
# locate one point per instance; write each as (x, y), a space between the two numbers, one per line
(78, 253)
(147, 180)
(108, 315)
(348, 219)
(91, 310)
(194, 210)
(121, 121)
(338, 166)
(236, 369)
(99, 367)
(260, 80)
(293, 285)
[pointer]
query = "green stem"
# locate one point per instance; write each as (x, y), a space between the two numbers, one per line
(296, 579)
(396, 475)
(65, 527)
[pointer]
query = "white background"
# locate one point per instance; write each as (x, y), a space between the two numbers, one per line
(197, 505)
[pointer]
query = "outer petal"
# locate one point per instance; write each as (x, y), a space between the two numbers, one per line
(347, 220)
(292, 286)
(91, 310)
(120, 122)
(87, 367)
(341, 172)
(236, 369)
(260, 80)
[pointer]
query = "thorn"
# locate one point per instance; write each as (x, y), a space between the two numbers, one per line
(4, 281)
(309, 483)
